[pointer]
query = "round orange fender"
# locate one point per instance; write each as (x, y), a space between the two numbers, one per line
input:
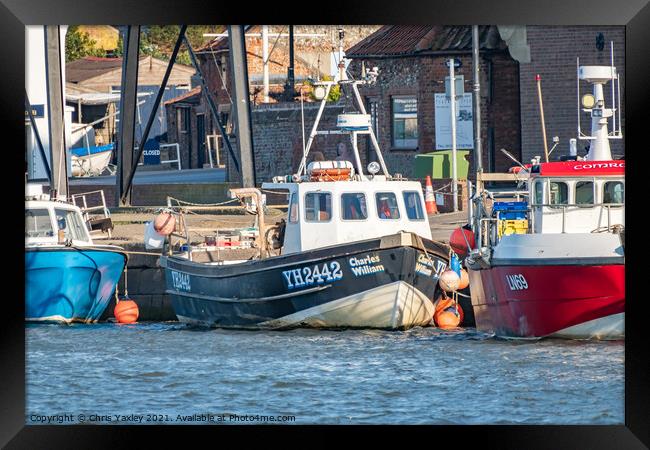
(126, 311)
(445, 315)
(164, 223)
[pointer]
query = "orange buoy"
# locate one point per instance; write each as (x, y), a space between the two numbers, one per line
(457, 242)
(464, 279)
(449, 281)
(164, 223)
(448, 314)
(126, 311)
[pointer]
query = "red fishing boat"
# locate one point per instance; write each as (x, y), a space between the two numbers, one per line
(553, 265)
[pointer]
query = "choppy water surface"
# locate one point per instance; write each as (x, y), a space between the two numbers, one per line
(165, 371)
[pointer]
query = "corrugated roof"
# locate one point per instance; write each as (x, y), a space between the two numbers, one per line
(187, 97)
(90, 67)
(406, 40)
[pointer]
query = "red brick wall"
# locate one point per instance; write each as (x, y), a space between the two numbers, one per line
(553, 55)
(277, 136)
(424, 76)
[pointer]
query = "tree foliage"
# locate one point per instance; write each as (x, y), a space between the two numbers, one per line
(79, 44)
(159, 40)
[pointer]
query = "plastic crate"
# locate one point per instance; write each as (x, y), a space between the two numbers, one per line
(506, 227)
(510, 210)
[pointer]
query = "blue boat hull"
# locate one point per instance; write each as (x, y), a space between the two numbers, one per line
(70, 284)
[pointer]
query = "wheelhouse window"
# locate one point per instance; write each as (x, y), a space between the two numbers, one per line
(293, 208)
(614, 192)
(559, 193)
(405, 122)
(539, 192)
(387, 206)
(413, 203)
(584, 193)
(318, 206)
(37, 223)
(72, 224)
(353, 206)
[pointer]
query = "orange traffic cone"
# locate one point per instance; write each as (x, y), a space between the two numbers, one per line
(429, 198)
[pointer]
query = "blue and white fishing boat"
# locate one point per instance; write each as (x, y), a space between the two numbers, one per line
(68, 278)
(91, 161)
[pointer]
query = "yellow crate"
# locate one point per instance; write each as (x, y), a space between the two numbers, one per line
(512, 227)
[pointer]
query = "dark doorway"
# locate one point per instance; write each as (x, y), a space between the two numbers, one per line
(200, 139)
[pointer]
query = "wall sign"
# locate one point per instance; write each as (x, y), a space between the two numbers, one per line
(464, 122)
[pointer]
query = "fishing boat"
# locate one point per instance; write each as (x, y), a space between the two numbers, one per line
(553, 264)
(68, 278)
(354, 252)
(91, 161)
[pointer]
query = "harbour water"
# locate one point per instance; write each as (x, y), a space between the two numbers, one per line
(167, 373)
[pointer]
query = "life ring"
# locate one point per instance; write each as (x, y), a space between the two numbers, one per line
(340, 174)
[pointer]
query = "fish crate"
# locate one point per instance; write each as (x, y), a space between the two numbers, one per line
(510, 210)
(506, 227)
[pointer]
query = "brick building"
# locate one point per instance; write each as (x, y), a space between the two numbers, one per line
(553, 52)
(412, 69)
(189, 119)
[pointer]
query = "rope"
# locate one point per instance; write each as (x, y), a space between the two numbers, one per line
(179, 202)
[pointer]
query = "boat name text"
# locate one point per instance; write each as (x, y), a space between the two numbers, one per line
(425, 266)
(366, 265)
(599, 165)
(308, 276)
(516, 282)
(181, 281)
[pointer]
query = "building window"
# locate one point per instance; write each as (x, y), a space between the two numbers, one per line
(413, 203)
(614, 192)
(318, 206)
(184, 120)
(584, 193)
(405, 122)
(387, 205)
(354, 207)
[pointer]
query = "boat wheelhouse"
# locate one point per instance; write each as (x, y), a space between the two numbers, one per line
(355, 250)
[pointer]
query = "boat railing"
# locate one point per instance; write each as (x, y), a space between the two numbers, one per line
(489, 236)
(98, 217)
(578, 206)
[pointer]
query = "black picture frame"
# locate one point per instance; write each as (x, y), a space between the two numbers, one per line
(634, 14)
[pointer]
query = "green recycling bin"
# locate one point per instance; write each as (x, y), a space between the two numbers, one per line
(438, 164)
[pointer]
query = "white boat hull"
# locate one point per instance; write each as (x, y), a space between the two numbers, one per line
(90, 164)
(396, 305)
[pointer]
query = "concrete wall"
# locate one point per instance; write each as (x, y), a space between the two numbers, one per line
(156, 194)
(553, 55)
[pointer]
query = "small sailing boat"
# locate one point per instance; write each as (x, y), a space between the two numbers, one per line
(91, 161)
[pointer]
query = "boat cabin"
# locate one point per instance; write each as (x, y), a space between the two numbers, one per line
(577, 196)
(333, 206)
(49, 222)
